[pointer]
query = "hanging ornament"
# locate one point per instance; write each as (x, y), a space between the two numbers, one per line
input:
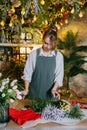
(22, 20)
(2, 23)
(10, 13)
(57, 25)
(62, 9)
(62, 22)
(66, 21)
(81, 14)
(57, 4)
(46, 22)
(29, 21)
(13, 9)
(23, 11)
(17, 3)
(10, 24)
(66, 15)
(15, 17)
(73, 10)
(35, 18)
(42, 2)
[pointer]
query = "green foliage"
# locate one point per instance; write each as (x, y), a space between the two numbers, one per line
(71, 111)
(8, 90)
(39, 104)
(76, 112)
(21, 13)
(73, 60)
(69, 41)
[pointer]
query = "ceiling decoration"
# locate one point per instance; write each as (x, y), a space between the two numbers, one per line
(16, 14)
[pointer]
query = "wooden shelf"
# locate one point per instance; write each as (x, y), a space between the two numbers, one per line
(18, 45)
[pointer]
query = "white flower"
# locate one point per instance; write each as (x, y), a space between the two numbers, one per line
(1, 89)
(13, 82)
(15, 87)
(3, 83)
(9, 90)
(19, 97)
(11, 100)
(53, 113)
(0, 75)
(2, 86)
(17, 91)
(3, 95)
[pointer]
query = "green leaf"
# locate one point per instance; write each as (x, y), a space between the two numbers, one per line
(76, 112)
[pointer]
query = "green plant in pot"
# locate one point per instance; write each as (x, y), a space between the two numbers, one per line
(73, 60)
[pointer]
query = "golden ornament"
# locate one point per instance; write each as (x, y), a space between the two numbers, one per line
(2, 23)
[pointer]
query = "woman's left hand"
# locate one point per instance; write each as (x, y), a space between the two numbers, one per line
(55, 94)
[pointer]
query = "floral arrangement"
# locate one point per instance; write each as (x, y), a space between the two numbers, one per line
(53, 113)
(56, 109)
(9, 91)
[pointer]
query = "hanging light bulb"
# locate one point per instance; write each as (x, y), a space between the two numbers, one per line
(81, 14)
(66, 21)
(2, 23)
(10, 24)
(57, 25)
(42, 2)
(73, 10)
(13, 9)
(23, 11)
(62, 9)
(46, 22)
(22, 20)
(35, 18)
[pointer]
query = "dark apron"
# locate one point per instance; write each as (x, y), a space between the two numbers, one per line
(43, 77)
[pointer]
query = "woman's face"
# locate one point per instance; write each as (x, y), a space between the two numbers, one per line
(48, 45)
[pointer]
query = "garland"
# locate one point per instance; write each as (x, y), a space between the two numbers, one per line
(15, 14)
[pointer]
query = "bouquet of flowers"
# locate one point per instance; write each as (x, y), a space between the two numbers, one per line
(9, 90)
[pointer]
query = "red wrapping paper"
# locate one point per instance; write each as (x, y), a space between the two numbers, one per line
(82, 104)
(21, 116)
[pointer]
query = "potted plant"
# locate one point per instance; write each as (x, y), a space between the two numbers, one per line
(72, 58)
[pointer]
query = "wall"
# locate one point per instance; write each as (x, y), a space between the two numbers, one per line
(79, 82)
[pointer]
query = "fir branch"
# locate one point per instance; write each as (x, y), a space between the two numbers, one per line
(76, 112)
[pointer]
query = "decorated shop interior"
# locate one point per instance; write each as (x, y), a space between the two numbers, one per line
(23, 24)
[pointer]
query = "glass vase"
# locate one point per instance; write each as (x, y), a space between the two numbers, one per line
(4, 113)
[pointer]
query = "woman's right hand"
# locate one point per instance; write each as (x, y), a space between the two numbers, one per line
(24, 93)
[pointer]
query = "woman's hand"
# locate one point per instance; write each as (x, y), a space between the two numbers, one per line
(55, 93)
(24, 93)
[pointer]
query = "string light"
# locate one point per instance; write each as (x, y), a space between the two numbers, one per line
(81, 14)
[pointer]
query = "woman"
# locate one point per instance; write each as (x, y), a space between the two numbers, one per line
(44, 69)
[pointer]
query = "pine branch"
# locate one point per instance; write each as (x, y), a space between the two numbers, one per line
(76, 112)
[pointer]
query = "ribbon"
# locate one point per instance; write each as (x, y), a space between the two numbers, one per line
(83, 105)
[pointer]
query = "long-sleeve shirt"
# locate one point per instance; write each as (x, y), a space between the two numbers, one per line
(31, 61)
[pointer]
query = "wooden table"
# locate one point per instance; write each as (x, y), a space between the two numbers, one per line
(47, 126)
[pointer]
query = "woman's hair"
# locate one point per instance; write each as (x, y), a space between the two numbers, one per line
(51, 32)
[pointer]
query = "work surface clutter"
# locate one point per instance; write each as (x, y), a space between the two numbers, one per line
(22, 117)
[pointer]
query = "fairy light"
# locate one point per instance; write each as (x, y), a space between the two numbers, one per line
(42, 2)
(73, 10)
(2, 23)
(81, 14)
(22, 20)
